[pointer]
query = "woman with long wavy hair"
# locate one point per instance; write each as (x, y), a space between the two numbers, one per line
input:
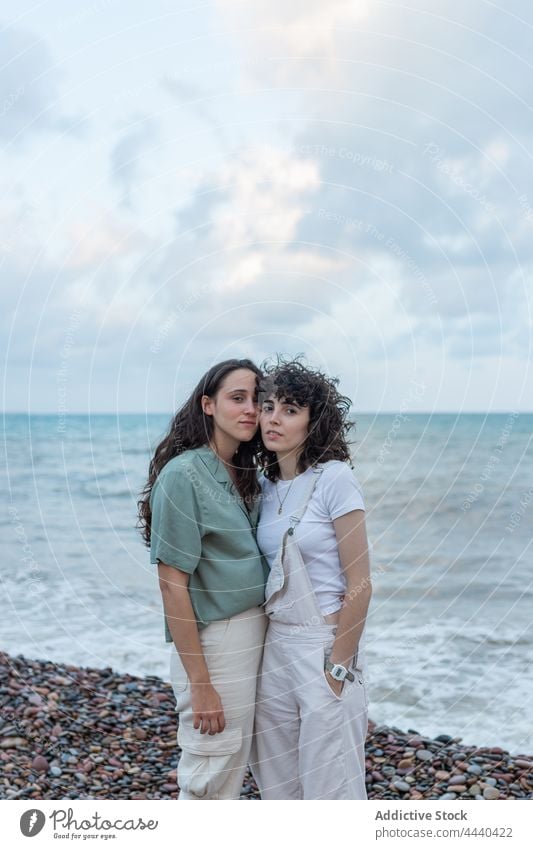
(311, 715)
(198, 514)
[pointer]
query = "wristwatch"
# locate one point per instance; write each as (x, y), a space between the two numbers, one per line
(339, 672)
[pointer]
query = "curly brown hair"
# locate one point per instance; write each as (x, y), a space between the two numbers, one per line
(329, 422)
(191, 428)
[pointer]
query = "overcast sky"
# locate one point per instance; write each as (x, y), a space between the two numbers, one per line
(183, 182)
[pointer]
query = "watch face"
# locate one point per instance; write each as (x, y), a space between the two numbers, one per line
(338, 672)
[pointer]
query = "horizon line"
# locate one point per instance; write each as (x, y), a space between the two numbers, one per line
(358, 412)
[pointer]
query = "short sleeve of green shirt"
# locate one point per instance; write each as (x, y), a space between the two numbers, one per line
(176, 528)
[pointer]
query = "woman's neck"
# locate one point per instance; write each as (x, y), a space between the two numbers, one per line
(223, 445)
(288, 465)
(225, 450)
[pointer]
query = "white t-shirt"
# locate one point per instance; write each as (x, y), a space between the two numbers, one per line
(337, 492)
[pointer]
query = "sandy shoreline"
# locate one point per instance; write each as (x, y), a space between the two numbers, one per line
(80, 733)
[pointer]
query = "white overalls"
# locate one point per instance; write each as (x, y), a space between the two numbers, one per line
(308, 742)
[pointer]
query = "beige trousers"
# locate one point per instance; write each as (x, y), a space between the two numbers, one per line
(213, 767)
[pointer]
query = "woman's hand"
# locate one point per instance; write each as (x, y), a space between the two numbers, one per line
(208, 713)
(335, 685)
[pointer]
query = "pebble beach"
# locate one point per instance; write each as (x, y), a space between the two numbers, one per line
(79, 733)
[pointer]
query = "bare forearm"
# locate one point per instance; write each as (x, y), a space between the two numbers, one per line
(350, 626)
(353, 554)
(184, 632)
(207, 708)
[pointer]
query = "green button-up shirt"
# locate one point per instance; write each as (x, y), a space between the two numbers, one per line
(201, 526)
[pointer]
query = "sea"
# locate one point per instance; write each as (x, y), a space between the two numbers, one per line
(449, 513)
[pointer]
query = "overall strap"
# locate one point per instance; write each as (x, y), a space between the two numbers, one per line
(297, 516)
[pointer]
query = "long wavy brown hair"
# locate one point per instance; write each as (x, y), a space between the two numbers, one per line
(329, 422)
(191, 428)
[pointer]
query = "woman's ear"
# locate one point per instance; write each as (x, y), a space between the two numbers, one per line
(207, 405)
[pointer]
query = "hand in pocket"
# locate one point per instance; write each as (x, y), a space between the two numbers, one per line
(334, 685)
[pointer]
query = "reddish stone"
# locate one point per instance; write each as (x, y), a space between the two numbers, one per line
(40, 764)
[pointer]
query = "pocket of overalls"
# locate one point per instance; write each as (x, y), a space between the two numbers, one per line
(348, 687)
(274, 609)
(332, 693)
(360, 681)
(323, 656)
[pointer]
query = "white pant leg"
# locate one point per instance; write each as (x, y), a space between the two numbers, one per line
(308, 742)
(213, 767)
(274, 755)
(333, 732)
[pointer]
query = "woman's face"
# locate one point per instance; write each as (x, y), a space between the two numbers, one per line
(234, 406)
(284, 425)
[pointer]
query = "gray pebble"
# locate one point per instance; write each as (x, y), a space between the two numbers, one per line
(474, 769)
(491, 793)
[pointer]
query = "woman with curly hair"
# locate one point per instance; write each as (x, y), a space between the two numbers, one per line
(311, 715)
(198, 514)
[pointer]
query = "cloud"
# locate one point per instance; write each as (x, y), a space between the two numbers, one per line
(423, 153)
(198, 101)
(240, 227)
(29, 89)
(95, 240)
(299, 32)
(266, 195)
(387, 223)
(129, 154)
